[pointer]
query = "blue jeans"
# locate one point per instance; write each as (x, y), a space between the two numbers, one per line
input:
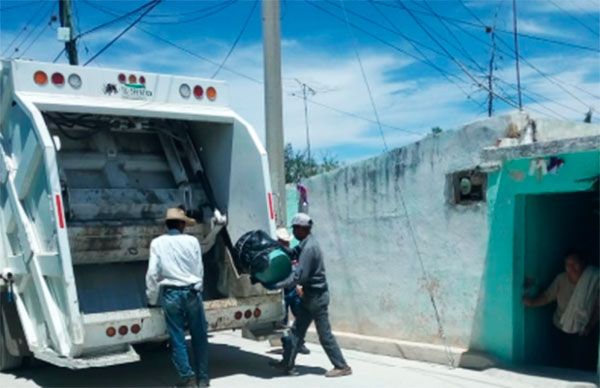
(181, 306)
(292, 302)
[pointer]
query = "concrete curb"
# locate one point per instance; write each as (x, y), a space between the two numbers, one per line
(417, 351)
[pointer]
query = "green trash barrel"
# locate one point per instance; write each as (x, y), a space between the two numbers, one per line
(279, 268)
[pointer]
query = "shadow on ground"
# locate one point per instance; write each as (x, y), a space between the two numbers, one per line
(155, 369)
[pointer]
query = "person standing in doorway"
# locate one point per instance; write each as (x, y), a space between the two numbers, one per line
(175, 275)
(310, 274)
(576, 316)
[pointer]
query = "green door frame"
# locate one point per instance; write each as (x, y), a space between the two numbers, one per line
(501, 325)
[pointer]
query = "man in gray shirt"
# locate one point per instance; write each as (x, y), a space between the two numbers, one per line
(309, 277)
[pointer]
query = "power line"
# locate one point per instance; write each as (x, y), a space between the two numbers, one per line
(105, 24)
(574, 18)
(417, 49)
(391, 45)
(522, 35)
(454, 59)
(130, 26)
(39, 22)
(35, 39)
(364, 75)
(27, 23)
(510, 54)
(208, 11)
(22, 4)
(516, 47)
(237, 39)
(460, 45)
(259, 82)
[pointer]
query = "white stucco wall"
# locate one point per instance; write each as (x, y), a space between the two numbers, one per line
(376, 282)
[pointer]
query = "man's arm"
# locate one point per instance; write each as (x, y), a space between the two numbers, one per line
(544, 298)
(300, 273)
(152, 275)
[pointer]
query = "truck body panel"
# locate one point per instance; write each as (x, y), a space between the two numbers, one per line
(86, 176)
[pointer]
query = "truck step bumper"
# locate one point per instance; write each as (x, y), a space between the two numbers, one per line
(90, 361)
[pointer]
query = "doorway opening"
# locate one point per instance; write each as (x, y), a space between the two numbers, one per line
(547, 227)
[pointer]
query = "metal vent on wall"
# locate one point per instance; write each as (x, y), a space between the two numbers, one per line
(466, 187)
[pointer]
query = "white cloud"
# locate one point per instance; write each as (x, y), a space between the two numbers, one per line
(415, 104)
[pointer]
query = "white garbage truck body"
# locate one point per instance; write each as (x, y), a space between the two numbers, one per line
(90, 159)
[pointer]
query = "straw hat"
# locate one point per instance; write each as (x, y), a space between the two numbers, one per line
(178, 214)
(283, 235)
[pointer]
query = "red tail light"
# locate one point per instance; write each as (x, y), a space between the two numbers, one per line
(122, 78)
(111, 331)
(123, 330)
(135, 328)
(198, 91)
(58, 79)
(248, 314)
(238, 315)
(142, 80)
(257, 312)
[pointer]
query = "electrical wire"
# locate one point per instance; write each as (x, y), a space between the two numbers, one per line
(581, 23)
(130, 26)
(105, 24)
(237, 38)
(364, 76)
(454, 59)
(35, 39)
(20, 5)
(27, 23)
(39, 22)
(259, 82)
(521, 34)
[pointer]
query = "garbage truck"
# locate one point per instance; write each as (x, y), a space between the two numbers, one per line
(90, 159)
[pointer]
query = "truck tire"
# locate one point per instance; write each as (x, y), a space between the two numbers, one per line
(7, 360)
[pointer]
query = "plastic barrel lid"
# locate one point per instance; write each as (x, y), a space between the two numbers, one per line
(279, 268)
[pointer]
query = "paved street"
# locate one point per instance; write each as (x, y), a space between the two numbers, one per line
(236, 362)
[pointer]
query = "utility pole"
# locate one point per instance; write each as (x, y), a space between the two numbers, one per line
(273, 104)
(66, 21)
(492, 31)
(305, 89)
(517, 53)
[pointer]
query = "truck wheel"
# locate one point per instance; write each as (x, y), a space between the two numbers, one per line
(7, 360)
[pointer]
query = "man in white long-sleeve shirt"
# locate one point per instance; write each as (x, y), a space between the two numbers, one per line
(175, 273)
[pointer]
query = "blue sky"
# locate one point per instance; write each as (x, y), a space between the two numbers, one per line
(425, 61)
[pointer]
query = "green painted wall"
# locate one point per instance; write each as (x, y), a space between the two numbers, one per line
(501, 318)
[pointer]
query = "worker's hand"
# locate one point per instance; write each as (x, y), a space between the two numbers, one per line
(300, 291)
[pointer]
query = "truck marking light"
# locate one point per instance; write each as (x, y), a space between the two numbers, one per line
(59, 212)
(248, 314)
(198, 91)
(135, 328)
(132, 79)
(75, 81)
(40, 78)
(184, 90)
(271, 209)
(58, 79)
(122, 78)
(257, 312)
(111, 331)
(238, 315)
(123, 330)
(211, 93)
(142, 80)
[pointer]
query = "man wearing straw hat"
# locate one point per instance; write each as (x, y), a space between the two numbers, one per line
(175, 273)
